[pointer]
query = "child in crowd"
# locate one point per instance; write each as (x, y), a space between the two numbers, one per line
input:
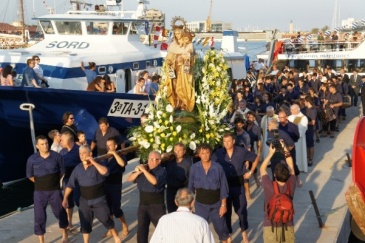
(82, 138)
(56, 138)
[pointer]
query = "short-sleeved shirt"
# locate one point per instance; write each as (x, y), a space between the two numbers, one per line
(90, 75)
(334, 99)
(235, 165)
(214, 179)
(161, 177)
(85, 178)
(267, 185)
(311, 114)
(255, 134)
(38, 166)
(28, 76)
(178, 173)
(115, 170)
(291, 129)
(101, 139)
(71, 159)
(243, 140)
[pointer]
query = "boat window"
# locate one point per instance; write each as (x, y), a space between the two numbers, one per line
(102, 70)
(47, 27)
(148, 64)
(68, 28)
(359, 64)
(120, 28)
(155, 63)
(139, 28)
(97, 28)
(135, 65)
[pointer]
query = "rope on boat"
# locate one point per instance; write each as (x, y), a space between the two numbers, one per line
(29, 107)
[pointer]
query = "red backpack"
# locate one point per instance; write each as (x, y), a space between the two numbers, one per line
(280, 208)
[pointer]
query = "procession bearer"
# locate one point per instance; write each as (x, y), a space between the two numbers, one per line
(45, 168)
(208, 181)
(91, 176)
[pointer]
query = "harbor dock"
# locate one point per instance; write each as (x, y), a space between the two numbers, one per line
(328, 179)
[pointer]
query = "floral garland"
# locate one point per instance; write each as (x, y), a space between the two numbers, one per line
(164, 127)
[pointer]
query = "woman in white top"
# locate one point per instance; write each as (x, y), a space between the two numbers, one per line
(139, 87)
(6, 76)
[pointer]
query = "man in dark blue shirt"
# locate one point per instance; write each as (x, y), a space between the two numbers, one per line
(91, 176)
(102, 134)
(177, 174)
(45, 168)
(151, 181)
(233, 159)
(29, 76)
(208, 180)
(113, 182)
(71, 158)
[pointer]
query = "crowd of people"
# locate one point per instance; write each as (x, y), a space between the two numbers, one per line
(276, 119)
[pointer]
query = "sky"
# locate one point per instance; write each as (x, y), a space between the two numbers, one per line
(243, 14)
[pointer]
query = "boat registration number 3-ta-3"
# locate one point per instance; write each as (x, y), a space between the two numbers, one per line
(128, 108)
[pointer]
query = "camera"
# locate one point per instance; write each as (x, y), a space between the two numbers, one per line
(275, 142)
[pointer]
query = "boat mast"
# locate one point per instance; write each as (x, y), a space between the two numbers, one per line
(22, 19)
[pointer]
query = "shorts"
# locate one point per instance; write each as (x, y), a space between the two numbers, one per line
(275, 237)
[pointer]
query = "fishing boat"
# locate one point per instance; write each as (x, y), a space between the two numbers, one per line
(307, 55)
(71, 39)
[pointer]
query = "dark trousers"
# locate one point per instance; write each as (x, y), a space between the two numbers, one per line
(145, 215)
(331, 124)
(237, 199)
(363, 104)
(170, 199)
(74, 198)
(99, 210)
(212, 212)
(354, 96)
(113, 195)
(41, 200)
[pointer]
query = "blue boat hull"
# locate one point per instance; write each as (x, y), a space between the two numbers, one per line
(50, 104)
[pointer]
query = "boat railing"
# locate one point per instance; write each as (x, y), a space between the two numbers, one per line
(127, 14)
(318, 46)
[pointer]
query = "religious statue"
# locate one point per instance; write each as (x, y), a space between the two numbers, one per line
(179, 63)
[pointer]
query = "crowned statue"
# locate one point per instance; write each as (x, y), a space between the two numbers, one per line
(179, 64)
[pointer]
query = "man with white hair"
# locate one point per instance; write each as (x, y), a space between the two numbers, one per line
(301, 148)
(270, 114)
(182, 225)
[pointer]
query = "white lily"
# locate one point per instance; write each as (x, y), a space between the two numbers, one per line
(169, 108)
(192, 145)
(169, 148)
(178, 128)
(148, 129)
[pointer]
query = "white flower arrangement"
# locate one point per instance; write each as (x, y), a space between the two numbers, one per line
(163, 129)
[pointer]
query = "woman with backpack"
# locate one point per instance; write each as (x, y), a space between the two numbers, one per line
(278, 193)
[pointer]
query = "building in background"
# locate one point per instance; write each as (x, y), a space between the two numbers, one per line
(156, 17)
(216, 26)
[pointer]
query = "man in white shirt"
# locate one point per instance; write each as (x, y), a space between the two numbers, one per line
(182, 225)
